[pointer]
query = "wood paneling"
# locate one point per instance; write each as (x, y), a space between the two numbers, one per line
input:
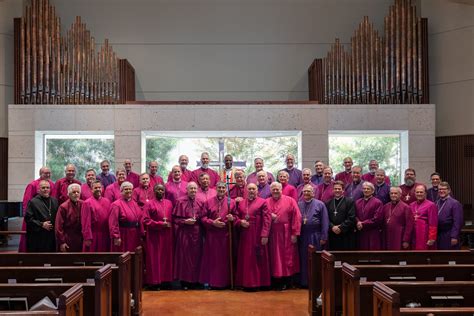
(3, 168)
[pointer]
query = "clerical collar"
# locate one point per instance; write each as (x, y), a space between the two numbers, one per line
(204, 189)
(368, 198)
(356, 182)
(220, 197)
(307, 202)
(379, 185)
(338, 198)
(289, 169)
(444, 199)
(228, 170)
(179, 181)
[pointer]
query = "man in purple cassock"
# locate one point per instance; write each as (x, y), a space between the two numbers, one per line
(295, 177)
(213, 175)
(398, 222)
(113, 192)
(130, 176)
(215, 256)
(95, 221)
(253, 220)
(408, 188)
(354, 189)
(61, 193)
(317, 177)
(306, 180)
(86, 188)
(370, 176)
(346, 175)
(106, 177)
(176, 187)
(68, 226)
(369, 217)
(187, 216)
(432, 193)
(153, 173)
(252, 178)
(186, 174)
(284, 232)
(450, 219)
(205, 192)
(287, 189)
(144, 193)
(314, 228)
(262, 185)
(382, 189)
(325, 189)
(425, 213)
(157, 223)
(125, 221)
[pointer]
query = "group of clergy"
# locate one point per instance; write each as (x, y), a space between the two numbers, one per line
(202, 223)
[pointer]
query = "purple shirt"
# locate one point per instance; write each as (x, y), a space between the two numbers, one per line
(264, 191)
(317, 179)
(296, 176)
(106, 179)
(354, 191)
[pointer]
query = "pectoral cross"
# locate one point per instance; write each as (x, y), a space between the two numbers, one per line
(407, 197)
(335, 212)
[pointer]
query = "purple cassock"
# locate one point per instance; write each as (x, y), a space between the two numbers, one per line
(284, 259)
(344, 176)
(158, 241)
(60, 188)
(426, 224)
(326, 192)
(369, 212)
(253, 266)
(112, 193)
(450, 222)
(318, 179)
(432, 194)
(186, 176)
(133, 178)
(215, 255)
(106, 179)
(371, 178)
(143, 195)
(95, 224)
(68, 225)
(299, 190)
(155, 179)
(188, 239)
(213, 176)
(264, 191)
(382, 192)
(252, 178)
(408, 193)
(175, 190)
(125, 222)
(290, 190)
(237, 191)
(205, 195)
(354, 191)
(31, 191)
(397, 226)
(314, 228)
(296, 176)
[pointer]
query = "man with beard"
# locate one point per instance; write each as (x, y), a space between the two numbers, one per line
(62, 184)
(382, 189)
(252, 178)
(370, 176)
(213, 176)
(450, 219)
(317, 177)
(346, 175)
(306, 181)
(105, 176)
(397, 222)
(432, 193)
(153, 173)
(40, 219)
(341, 214)
(176, 187)
(295, 177)
(408, 189)
(426, 220)
(325, 189)
(68, 221)
(369, 219)
(186, 174)
(354, 189)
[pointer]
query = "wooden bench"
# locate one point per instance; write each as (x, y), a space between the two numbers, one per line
(127, 279)
(70, 297)
(357, 281)
(331, 275)
(389, 299)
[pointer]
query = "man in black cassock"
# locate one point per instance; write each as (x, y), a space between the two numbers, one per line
(341, 213)
(40, 215)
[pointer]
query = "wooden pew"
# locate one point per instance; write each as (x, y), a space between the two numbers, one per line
(98, 292)
(357, 281)
(128, 278)
(389, 299)
(70, 297)
(331, 274)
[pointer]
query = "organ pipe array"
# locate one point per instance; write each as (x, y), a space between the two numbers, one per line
(55, 69)
(390, 68)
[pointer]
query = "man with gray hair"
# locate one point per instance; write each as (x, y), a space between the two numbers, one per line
(61, 193)
(253, 178)
(106, 177)
(68, 221)
(306, 181)
(382, 189)
(295, 174)
(398, 222)
(369, 217)
(213, 175)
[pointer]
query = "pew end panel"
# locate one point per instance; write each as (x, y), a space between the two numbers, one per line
(71, 302)
(386, 302)
(350, 290)
(328, 284)
(137, 280)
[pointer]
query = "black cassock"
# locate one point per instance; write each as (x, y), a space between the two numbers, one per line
(40, 210)
(341, 212)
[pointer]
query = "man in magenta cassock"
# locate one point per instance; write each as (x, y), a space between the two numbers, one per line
(346, 175)
(252, 178)
(187, 216)
(253, 221)
(176, 187)
(213, 176)
(284, 232)
(287, 189)
(157, 221)
(86, 188)
(60, 187)
(68, 226)
(398, 222)
(205, 192)
(153, 173)
(215, 256)
(325, 189)
(370, 176)
(144, 193)
(295, 177)
(239, 190)
(369, 217)
(425, 213)
(408, 188)
(186, 174)
(450, 219)
(306, 172)
(130, 176)
(354, 189)
(125, 221)
(113, 192)
(95, 221)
